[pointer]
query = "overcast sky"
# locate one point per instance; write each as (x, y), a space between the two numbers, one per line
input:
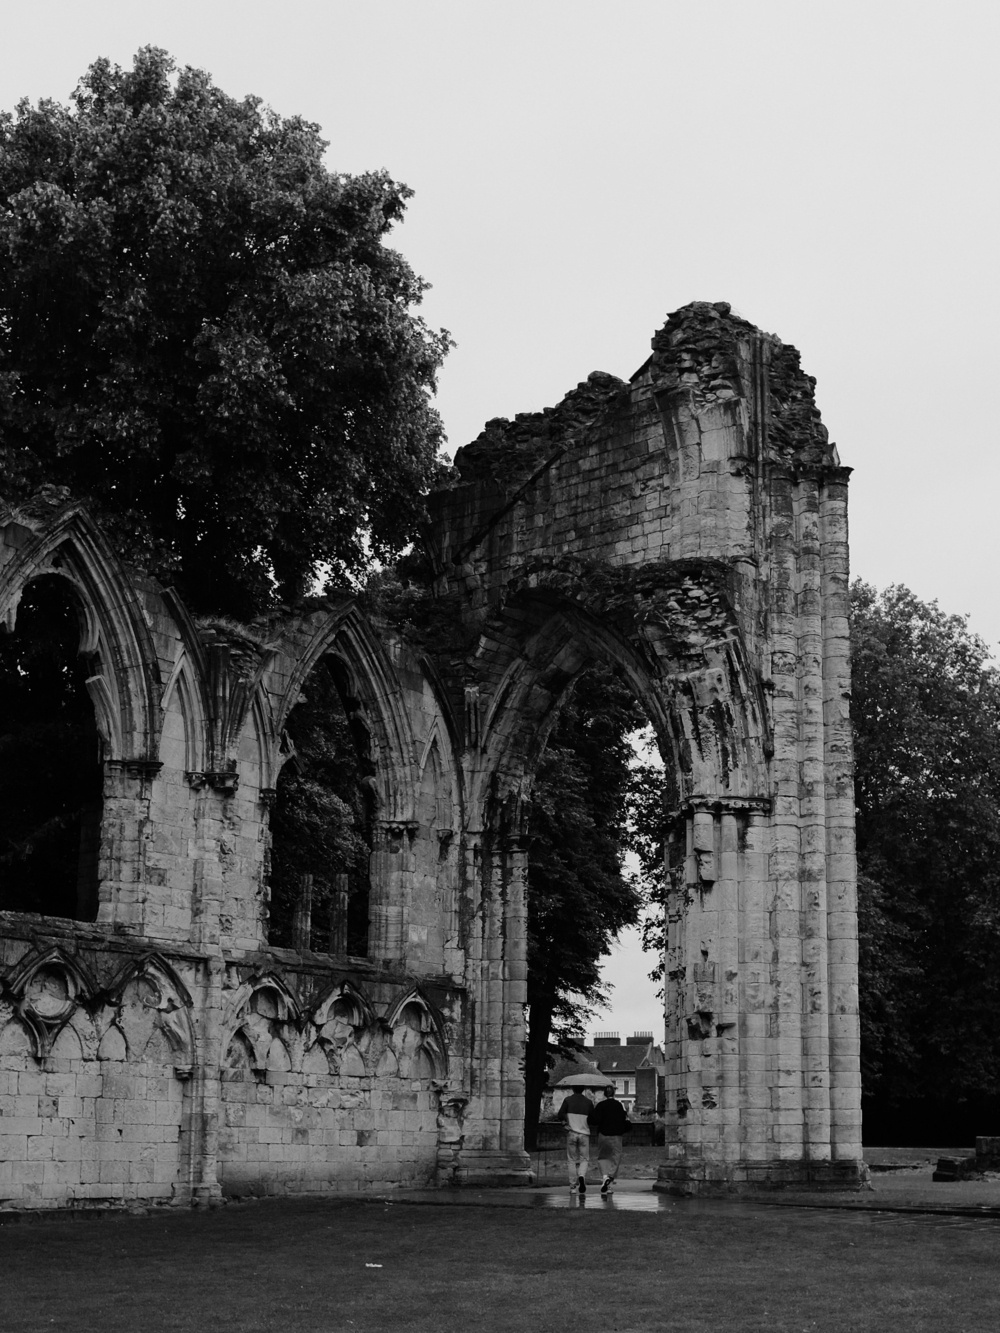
(581, 169)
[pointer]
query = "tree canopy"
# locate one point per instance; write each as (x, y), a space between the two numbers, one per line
(926, 714)
(203, 334)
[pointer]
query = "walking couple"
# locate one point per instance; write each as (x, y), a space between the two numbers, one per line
(610, 1119)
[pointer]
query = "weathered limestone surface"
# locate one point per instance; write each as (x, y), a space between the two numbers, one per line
(689, 527)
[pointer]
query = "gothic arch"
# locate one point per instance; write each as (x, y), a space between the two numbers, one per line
(264, 1014)
(345, 1026)
(691, 676)
(48, 987)
(350, 998)
(183, 692)
(125, 687)
(156, 988)
(437, 784)
(417, 1040)
(345, 635)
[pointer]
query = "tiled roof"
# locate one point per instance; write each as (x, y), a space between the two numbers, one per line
(625, 1059)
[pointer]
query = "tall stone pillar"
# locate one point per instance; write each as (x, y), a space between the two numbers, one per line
(388, 916)
(762, 1015)
(496, 974)
(513, 992)
(841, 860)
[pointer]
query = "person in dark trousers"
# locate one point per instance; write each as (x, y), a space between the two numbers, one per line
(575, 1112)
(610, 1119)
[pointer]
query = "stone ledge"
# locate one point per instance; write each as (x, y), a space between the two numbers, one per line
(755, 1177)
(485, 1167)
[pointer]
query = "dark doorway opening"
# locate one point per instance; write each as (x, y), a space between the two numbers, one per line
(51, 760)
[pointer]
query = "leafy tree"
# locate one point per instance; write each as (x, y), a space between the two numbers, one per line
(203, 334)
(926, 714)
(321, 822)
(653, 797)
(579, 896)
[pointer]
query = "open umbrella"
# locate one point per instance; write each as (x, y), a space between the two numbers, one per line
(594, 1080)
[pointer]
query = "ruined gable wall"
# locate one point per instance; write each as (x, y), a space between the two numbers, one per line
(691, 529)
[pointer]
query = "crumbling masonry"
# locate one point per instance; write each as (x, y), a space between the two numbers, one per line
(689, 527)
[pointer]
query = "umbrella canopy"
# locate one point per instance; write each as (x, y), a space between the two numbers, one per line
(595, 1080)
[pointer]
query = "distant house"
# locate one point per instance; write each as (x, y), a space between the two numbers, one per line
(635, 1067)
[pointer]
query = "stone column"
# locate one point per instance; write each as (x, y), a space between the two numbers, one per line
(812, 815)
(719, 1095)
(208, 893)
(842, 918)
(513, 995)
(492, 1149)
(388, 918)
(127, 791)
(206, 1092)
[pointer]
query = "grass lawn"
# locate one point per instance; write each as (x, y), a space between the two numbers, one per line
(289, 1266)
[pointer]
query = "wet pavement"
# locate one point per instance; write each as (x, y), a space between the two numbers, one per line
(908, 1197)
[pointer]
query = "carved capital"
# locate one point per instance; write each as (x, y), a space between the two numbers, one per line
(391, 832)
(726, 805)
(136, 768)
(142, 771)
(223, 780)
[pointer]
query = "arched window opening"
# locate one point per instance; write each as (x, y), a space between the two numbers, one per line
(597, 823)
(51, 760)
(323, 822)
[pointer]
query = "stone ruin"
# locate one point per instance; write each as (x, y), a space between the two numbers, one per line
(688, 527)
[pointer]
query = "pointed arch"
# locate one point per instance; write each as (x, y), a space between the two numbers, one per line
(437, 782)
(262, 1011)
(417, 1042)
(49, 985)
(264, 997)
(160, 991)
(125, 686)
(270, 755)
(675, 639)
(371, 678)
(557, 642)
(183, 693)
(344, 994)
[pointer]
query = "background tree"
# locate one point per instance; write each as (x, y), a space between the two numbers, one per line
(926, 714)
(321, 824)
(203, 335)
(579, 896)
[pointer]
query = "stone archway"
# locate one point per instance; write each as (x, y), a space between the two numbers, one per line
(699, 514)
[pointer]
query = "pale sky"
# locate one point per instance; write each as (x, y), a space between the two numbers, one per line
(581, 168)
